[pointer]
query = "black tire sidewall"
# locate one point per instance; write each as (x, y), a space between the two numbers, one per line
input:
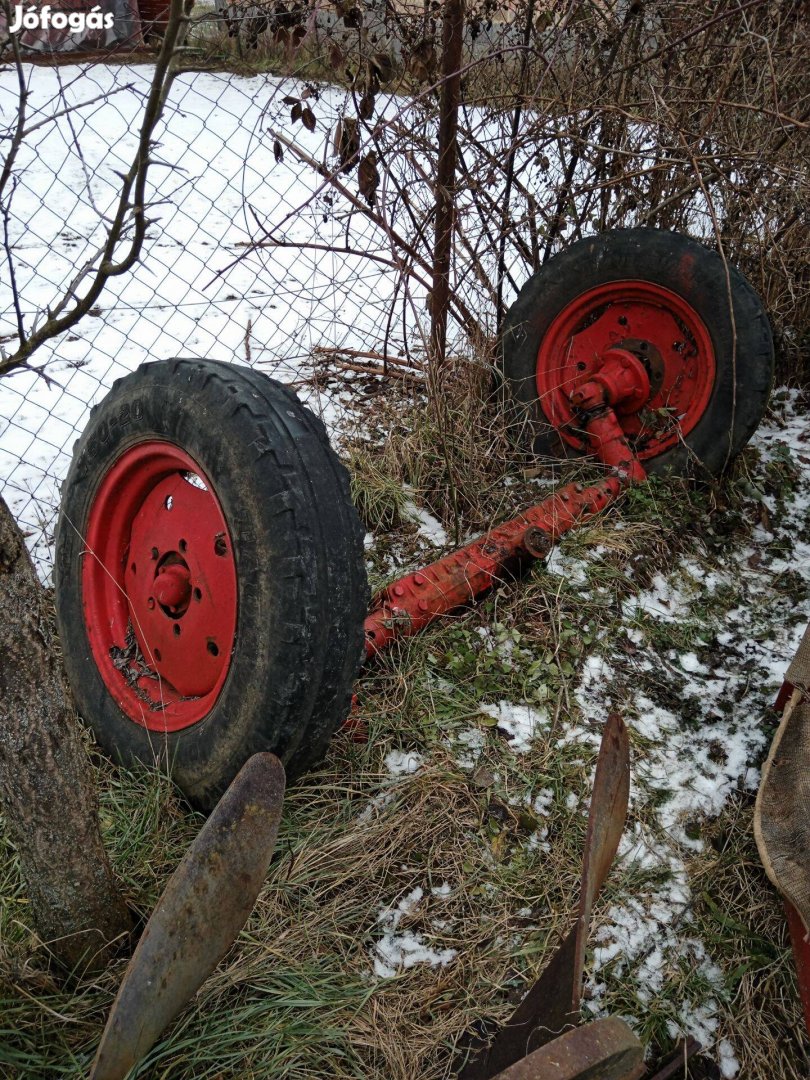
(258, 460)
(743, 343)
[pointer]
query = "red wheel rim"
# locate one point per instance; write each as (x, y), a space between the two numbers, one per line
(609, 316)
(159, 587)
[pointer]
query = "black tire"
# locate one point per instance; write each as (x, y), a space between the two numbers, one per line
(742, 383)
(300, 571)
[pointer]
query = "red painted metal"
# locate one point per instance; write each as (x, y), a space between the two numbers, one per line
(159, 580)
(416, 600)
(622, 382)
(784, 696)
(801, 954)
(608, 442)
(652, 324)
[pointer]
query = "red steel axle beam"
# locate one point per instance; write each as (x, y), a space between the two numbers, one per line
(416, 600)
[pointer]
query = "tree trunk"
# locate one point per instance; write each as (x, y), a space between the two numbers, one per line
(46, 785)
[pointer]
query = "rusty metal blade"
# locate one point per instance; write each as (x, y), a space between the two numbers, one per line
(608, 810)
(676, 1062)
(204, 906)
(602, 1050)
(552, 1003)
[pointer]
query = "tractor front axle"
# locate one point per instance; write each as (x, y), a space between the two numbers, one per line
(414, 601)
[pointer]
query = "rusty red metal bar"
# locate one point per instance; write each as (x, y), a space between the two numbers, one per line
(611, 447)
(413, 602)
(801, 955)
(416, 600)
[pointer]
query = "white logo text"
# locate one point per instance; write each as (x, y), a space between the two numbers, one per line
(44, 17)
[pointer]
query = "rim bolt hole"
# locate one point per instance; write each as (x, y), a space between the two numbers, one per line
(154, 553)
(198, 594)
(581, 366)
(158, 657)
(176, 629)
(220, 547)
(183, 545)
(134, 568)
(622, 320)
(213, 648)
(150, 603)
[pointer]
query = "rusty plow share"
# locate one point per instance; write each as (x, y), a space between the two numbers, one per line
(204, 906)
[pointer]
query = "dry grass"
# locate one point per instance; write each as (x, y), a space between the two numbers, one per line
(737, 914)
(297, 995)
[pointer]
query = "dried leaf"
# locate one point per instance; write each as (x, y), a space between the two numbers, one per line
(296, 112)
(347, 143)
(366, 106)
(383, 66)
(290, 100)
(353, 18)
(368, 179)
(308, 119)
(483, 777)
(278, 152)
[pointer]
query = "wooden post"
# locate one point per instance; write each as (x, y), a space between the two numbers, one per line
(452, 41)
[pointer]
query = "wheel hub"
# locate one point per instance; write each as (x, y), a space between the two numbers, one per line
(179, 597)
(620, 380)
(172, 588)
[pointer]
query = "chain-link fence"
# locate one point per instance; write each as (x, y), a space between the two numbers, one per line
(294, 220)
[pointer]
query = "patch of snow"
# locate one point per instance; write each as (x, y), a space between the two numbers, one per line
(442, 890)
(573, 570)
(375, 806)
(729, 1063)
(541, 802)
(689, 662)
(403, 762)
(473, 741)
(399, 950)
(430, 528)
(664, 600)
(538, 841)
(520, 722)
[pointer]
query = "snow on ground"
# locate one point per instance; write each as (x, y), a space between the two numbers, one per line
(520, 722)
(429, 527)
(403, 762)
(689, 760)
(399, 947)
